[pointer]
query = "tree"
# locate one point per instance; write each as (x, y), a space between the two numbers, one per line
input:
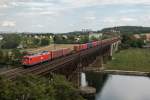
(33, 88)
(93, 38)
(45, 42)
(16, 56)
(5, 89)
(36, 41)
(64, 90)
(84, 39)
(11, 41)
(1, 57)
(7, 58)
(26, 88)
(137, 43)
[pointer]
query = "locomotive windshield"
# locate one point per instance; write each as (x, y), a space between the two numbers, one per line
(25, 59)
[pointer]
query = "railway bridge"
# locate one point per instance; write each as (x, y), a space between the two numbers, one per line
(70, 64)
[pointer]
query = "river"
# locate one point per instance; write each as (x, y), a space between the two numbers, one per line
(118, 87)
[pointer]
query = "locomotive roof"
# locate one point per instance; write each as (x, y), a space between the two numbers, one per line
(37, 54)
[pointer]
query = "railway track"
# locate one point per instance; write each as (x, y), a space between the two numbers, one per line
(42, 68)
(38, 69)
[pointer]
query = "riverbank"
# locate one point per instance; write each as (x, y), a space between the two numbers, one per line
(122, 72)
(130, 60)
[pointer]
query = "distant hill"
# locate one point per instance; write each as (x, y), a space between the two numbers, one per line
(127, 30)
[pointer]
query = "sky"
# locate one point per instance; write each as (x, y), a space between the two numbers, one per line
(71, 15)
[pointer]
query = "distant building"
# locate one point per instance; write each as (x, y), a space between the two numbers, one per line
(1, 37)
(146, 36)
(86, 30)
(136, 36)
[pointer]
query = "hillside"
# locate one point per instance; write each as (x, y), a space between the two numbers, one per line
(127, 29)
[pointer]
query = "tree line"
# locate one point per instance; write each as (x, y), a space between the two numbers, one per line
(127, 30)
(128, 42)
(13, 41)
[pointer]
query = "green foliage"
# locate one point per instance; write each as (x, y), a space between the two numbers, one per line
(128, 42)
(131, 59)
(37, 88)
(36, 41)
(64, 39)
(64, 90)
(11, 57)
(84, 39)
(5, 89)
(16, 57)
(127, 29)
(70, 39)
(1, 56)
(44, 42)
(4, 57)
(11, 41)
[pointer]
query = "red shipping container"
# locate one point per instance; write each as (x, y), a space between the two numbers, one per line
(81, 47)
(94, 44)
(84, 46)
(103, 42)
(77, 48)
(99, 43)
(66, 51)
(56, 53)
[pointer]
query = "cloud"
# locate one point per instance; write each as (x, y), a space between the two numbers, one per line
(31, 3)
(101, 2)
(38, 26)
(88, 3)
(37, 13)
(4, 6)
(54, 14)
(90, 18)
(8, 24)
(127, 19)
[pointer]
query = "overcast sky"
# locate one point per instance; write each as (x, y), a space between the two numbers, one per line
(71, 15)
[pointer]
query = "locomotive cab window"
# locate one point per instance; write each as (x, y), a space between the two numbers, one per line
(25, 58)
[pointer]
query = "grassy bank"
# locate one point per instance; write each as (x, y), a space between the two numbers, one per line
(131, 60)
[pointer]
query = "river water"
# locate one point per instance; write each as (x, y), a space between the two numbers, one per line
(118, 87)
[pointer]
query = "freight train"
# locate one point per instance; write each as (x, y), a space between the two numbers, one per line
(34, 59)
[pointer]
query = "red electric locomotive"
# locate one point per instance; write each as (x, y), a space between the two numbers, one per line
(34, 59)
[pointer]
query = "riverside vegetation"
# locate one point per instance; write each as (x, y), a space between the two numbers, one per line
(133, 59)
(32, 87)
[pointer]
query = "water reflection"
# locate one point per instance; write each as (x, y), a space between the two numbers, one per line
(96, 80)
(117, 87)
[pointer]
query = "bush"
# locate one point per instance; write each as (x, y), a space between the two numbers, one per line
(128, 42)
(45, 42)
(36, 41)
(11, 41)
(16, 57)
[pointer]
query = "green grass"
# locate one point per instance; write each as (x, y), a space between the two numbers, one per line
(131, 60)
